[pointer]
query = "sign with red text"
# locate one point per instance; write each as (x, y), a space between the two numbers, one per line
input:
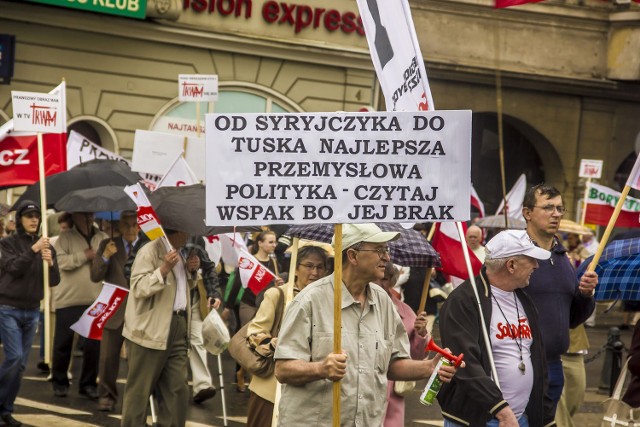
(590, 168)
(197, 87)
(307, 168)
(38, 112)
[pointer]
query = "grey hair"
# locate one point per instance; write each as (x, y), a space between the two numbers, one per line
(495, 264)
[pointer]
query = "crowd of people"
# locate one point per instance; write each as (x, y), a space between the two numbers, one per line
(520, 329)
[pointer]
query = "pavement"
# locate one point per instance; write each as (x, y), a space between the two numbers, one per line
(36, 405)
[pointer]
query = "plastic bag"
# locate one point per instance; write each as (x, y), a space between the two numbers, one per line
(215, 334)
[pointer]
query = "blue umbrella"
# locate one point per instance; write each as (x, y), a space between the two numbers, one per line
(618, 271)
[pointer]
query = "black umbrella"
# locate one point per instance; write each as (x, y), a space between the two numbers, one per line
(183, 209)
(108, 198)
(96, 173)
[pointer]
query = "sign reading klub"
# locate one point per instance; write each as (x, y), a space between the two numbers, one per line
(197, 87)
(38, 112)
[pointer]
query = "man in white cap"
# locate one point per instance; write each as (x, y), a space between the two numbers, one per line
(374, 342)
(473, 398)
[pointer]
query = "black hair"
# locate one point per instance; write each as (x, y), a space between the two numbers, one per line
(539, 190)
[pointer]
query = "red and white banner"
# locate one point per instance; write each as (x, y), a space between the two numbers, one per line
(601, 202)
(147, 217)
(253, 275)
(515, 198)
(40, 112)
(179, 174)
(92, 321)
(446, 242)
(396, 55)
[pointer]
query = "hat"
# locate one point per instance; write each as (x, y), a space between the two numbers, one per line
(371, 233)
(27, 206)
(510, 243)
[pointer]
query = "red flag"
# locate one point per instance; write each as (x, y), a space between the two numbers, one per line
(253, 275)
(92, 321)
(509, 3)
(447, 243)
(601, 202)
(19, 157)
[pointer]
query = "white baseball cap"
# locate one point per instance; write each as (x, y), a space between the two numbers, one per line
(371, 233)
(510, 243)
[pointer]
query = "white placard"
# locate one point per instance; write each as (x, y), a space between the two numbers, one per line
(38, 112)
(590, 168)
(155, 152)
(338, 167)
(197, 87)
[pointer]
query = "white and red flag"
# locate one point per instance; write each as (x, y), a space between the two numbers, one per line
(147, 217)
(179, 174)
(634, 177)
(253, 275)
(601, 202)
(92, 321)
(446, 242)
(19, 149)
(476, 202)
(515, 198)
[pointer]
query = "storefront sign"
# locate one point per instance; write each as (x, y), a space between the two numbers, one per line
(128, 8)
(338, 167)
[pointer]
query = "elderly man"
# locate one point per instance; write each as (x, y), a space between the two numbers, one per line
(561, 300)
(156, 328)
(473, 398)
(474, 240)
(108, 266)
(375, 343)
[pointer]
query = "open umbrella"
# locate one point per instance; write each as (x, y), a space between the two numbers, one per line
(411, 250)
(618, 271)
(92, 174)
(110, 198)
(183, 209)
(497, 221)
(568, 226)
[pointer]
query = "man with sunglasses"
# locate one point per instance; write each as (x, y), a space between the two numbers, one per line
(375, 345)
(562, 301)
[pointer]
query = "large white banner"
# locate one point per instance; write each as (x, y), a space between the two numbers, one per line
(396, 55)
(155, 152)
(338, 167)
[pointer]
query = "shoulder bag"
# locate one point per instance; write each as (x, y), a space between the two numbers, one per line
(257, 363)
(618, 413)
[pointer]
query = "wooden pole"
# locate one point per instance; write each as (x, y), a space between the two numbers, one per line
(607, 232)
(288, 297)
(425, 291)
(337, 316)
(45, 265)
(584, 201)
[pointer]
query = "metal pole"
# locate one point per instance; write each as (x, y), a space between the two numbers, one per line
(224, 404)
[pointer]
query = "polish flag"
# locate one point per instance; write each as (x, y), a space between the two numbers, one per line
(634, 178)
(92, 321)
(447, 243)
(515, 198)
(476, 202)
(147, 217)
(253, 275)
(601, 202)
(179, 174)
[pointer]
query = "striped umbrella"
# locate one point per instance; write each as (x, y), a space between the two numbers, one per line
(411, 250)
(618, 271)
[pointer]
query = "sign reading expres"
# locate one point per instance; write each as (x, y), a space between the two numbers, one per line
(128, 8)
(338, 167)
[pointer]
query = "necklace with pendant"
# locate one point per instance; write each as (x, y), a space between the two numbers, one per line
(521, 365)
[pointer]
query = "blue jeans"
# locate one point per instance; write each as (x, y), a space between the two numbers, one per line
(17, 329)
(522, 421)
(555, 375)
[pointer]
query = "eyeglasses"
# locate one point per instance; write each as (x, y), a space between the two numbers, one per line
(382, 252)
(552, 208)
(311, 267)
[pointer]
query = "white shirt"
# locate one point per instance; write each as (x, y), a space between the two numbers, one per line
(506, 336)
(180, 303)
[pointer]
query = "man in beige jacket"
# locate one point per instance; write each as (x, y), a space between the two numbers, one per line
(156, 328)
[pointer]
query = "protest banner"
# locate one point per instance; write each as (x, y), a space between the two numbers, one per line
(19, 157)
(80, 150)
(590, 169)
(338, 167)
(601, 202)
(154, 152)
(94, 318)
(197, 87)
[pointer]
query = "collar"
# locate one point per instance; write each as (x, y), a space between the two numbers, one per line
(133, 244)
(347, 298)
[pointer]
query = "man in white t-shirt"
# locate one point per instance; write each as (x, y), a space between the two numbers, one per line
(473, 398)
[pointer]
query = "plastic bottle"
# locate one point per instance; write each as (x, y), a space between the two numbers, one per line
(433, 385)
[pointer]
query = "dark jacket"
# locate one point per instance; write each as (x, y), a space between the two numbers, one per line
(553, 287)
(21, 272)
(472, 398)
(632, 395)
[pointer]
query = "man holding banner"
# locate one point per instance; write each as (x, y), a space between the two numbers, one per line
(21, 289)
(156, 327)
(375, 343)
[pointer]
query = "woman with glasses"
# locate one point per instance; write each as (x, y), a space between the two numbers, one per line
(416, 327)
(311, 266)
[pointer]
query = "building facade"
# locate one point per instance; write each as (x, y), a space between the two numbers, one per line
(568, 72)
